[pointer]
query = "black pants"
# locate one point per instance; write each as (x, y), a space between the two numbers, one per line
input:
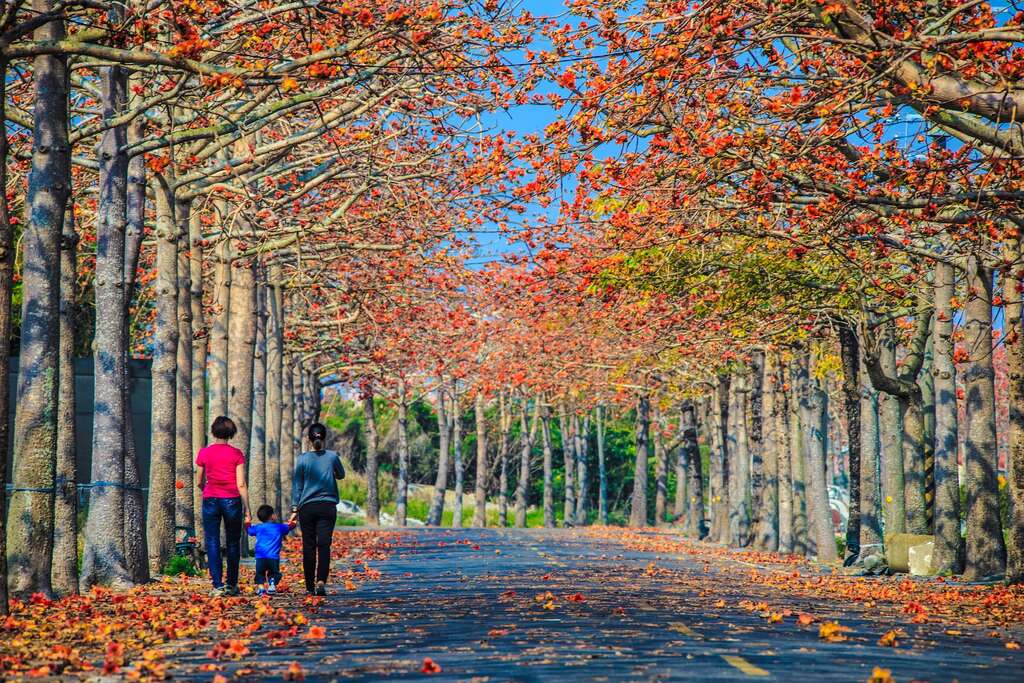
(267, 570)
(316, 522)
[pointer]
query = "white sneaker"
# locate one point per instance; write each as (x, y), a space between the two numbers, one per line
(271, 588)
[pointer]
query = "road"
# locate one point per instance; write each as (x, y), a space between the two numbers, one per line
(537, 605)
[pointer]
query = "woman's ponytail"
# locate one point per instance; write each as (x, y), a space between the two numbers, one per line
(317, 434)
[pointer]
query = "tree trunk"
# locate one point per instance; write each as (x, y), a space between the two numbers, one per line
(549, 496)
(259, 487)
(581, 428)
(691, 453)
(200, 341)
(814, 418)
(402, 484)
(103, 559)
(183, 462)
(443, 451)
(638, 504)
(719, 499)
(505, 423)
(926, 384)
(986, 549)
(679, 504)
(948, 554)
(242, 332)
(64, 563)
(786, 455)
(660, 467)
(1013, 331)
(217, 362)
(568, 466)
(457, 455)
(765, 395)
(480, 487)
(739, 463)
(870, 541)
(372, 491)
(136, 552)
(893, 491)
(798, 470)
(275, 346)
(523, 482)
(755, 439)
(288, 453)
(849, 351)
(602, 475)
(30, 513)
(160, 510)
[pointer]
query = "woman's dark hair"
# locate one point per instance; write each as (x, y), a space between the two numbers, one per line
(223, 428)
(317, 434)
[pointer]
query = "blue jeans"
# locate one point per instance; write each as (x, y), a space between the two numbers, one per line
(268, 569)
(228, 511)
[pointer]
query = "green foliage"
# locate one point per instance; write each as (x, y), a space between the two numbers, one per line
(350, 520)
(181, 564)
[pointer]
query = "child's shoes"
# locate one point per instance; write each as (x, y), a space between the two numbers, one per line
(261, 591)
(271, 588)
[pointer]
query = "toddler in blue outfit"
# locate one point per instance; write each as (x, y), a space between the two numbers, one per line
(269, 534)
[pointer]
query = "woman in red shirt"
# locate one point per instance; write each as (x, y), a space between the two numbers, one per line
(220, 470)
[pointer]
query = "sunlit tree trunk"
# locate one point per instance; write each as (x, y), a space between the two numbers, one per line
(638, 504)
(457, 454)
(288, 452)
(660, 466)
(926, 383)
(581, 427)
(986, 549)
(523, 482)
(505, 424)
(717, 462)
(372, 490)
(801, 542)
(948, 554)
(160, 511)
(480, 485)
(870, 542)
(30, 513)
(568, 465)
(549, 496)
(443, 452)
(814, 418)
(739, 462)
(259, 487)
(200, 340)
(680, 507)
(183, 460)
(767, 504)
(1013, 331)
(784, 447)
(402, 484)
(64, 566)
(242, 333)
(893, 507)
(276, 468)
(217, 362)
(755, 439)
(602, 474)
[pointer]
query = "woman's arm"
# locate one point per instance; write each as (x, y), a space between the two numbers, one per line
(243, 489)
(339, 469)
(298, 483)
(200, 471)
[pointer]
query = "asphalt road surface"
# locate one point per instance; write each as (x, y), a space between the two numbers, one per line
(539, 605)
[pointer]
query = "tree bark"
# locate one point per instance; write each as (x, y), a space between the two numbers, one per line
(457, 455)
(765, 394)
(638, 505)
(602, 475)
(288, 453)
(798, 470)
(480, 485)
(184, 497)
(160, 509)
(580, 430)
(948, 555)
(660, 466)
(200, 341)
(893, 502)
(523, 482)
(926, 384)
(276, 469)
(242, 332)
(568, 466)
(786, 452)
(6, 287)
(549, 497)
(870, 542)
(849, 351)
(755, 438)
(814, 418)
(259, 487)
(372, 490)
(505, 423)
(719, 497)
(986, 549)
(739, 463)
(402, 484)
(217, 362)
(64, 564)
(30, 512)
(1014, 335)
(443, 451)
(691, 453)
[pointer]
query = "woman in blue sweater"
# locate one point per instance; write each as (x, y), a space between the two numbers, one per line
(315, 506)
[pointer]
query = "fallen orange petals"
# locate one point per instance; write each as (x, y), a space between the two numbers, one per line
(880, 675)
(832, 632)
(430, 666)
(891, 638)
(316, 633)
